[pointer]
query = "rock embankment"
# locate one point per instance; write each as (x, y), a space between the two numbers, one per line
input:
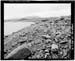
(49, 39)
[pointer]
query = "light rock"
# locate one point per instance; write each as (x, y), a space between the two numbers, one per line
(54, 46)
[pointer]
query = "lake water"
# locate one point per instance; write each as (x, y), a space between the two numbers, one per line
(10, 27)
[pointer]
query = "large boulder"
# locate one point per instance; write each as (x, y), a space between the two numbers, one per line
(19, 53)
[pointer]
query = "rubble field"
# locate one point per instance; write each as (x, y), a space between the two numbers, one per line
(48, 39)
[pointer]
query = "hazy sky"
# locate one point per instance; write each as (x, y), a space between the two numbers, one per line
(13, 11)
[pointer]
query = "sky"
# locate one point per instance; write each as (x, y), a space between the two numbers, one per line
(18, 10)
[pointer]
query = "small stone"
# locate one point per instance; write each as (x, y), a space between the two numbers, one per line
(48, 40)
(38, 56)
(63, 42)
(56, 40)
(61, 52)
(46, 36)
(47, 54)
(46, 50)
(54, 46)
(29, 44)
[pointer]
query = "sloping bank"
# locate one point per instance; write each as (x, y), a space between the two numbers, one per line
(49, 39)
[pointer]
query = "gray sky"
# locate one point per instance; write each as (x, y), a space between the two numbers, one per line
(13, 11)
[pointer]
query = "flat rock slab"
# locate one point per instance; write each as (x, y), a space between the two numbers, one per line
(19, 53)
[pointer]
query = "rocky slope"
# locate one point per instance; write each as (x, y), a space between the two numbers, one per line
(48, 39)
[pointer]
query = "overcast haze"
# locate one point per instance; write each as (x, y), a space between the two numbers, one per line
(16, 11)
(13, 11)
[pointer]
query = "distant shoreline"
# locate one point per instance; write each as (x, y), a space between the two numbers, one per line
(31, 19)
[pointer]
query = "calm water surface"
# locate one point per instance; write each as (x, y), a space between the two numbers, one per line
(10, 27)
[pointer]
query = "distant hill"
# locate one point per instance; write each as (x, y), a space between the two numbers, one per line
(27, 19)
(34, 19)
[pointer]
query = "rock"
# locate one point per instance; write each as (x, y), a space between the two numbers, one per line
(20, 52)
(46, 50)
(63, 42)
(48, 41)
(46, 55)
(54, 46)
(46, 36)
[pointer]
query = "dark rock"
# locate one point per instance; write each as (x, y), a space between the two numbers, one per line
(21, 54)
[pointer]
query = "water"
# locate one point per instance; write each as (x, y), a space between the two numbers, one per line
(10, 27)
